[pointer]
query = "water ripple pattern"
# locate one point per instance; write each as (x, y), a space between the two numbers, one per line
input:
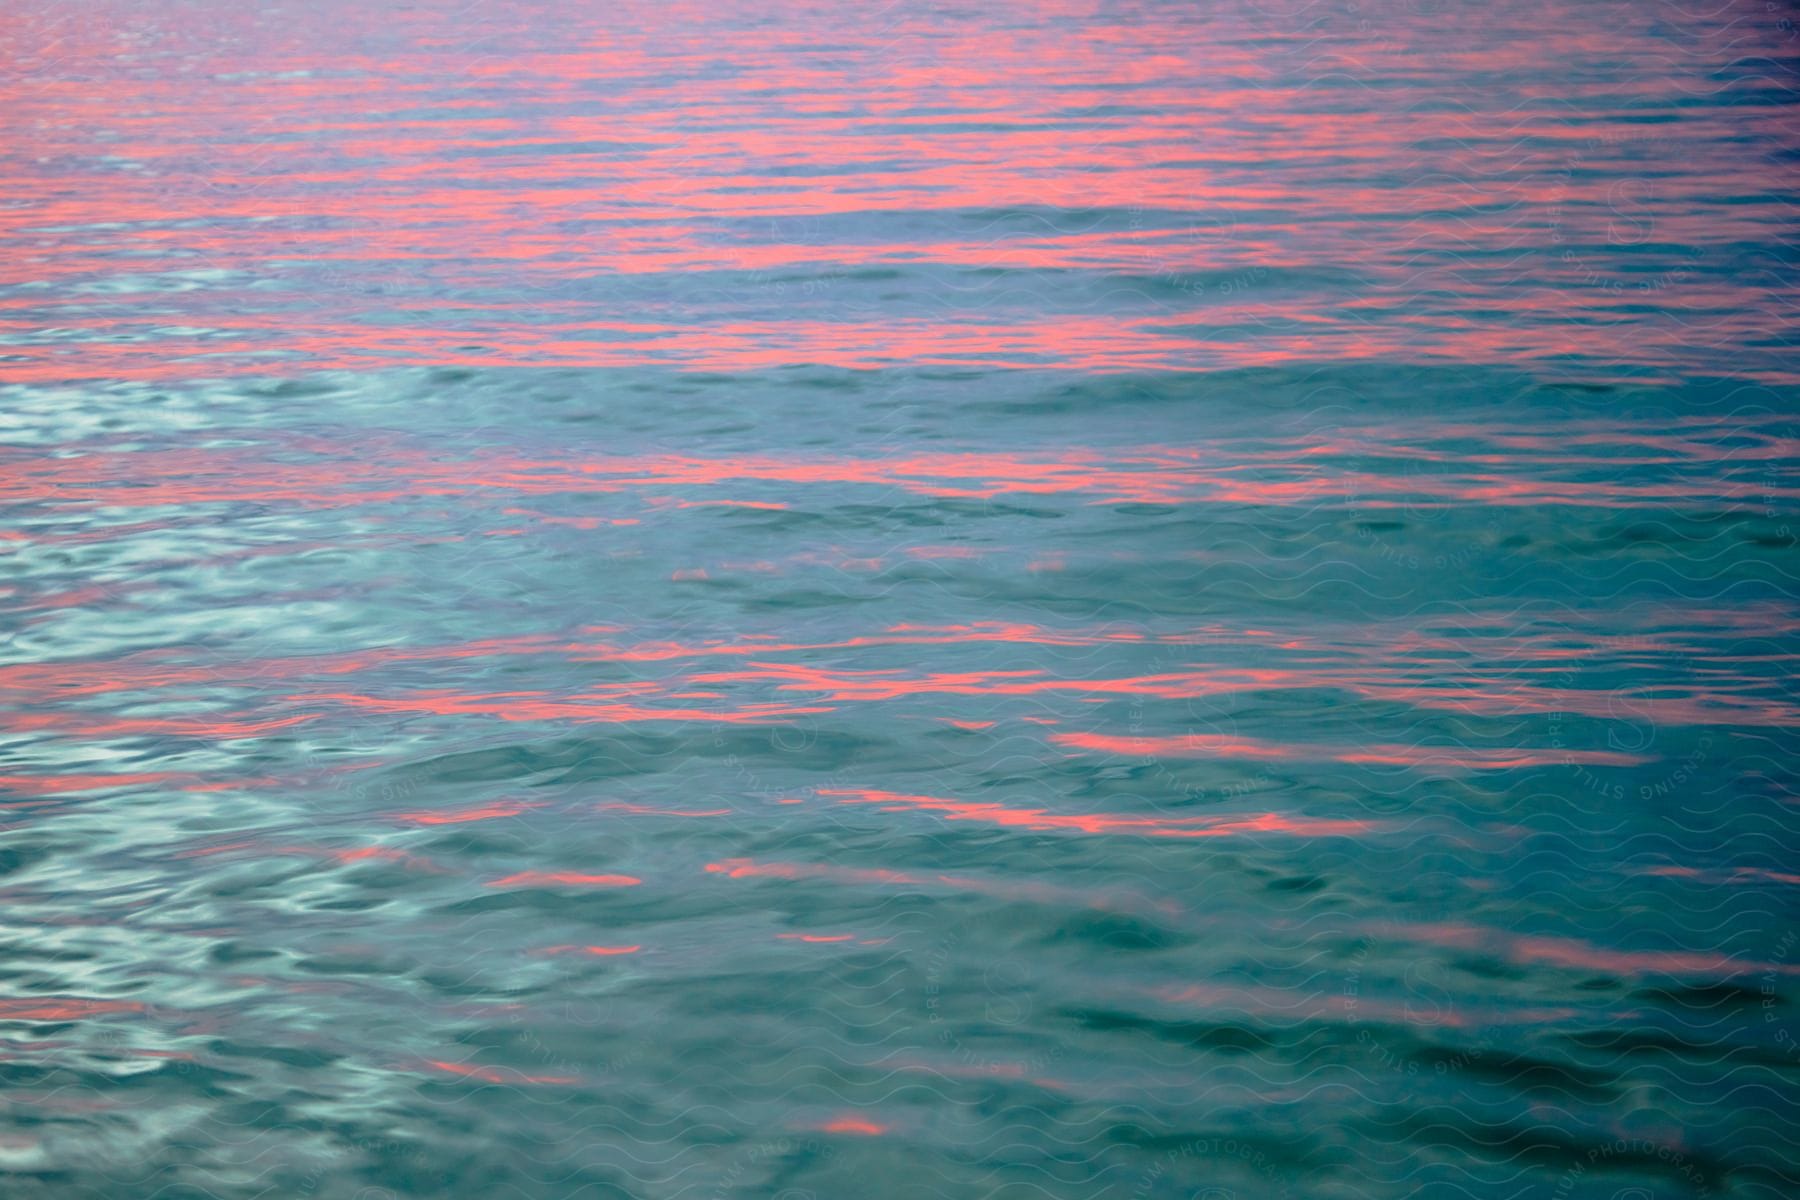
(1122, 601)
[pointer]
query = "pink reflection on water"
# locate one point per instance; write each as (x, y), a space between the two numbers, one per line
(1575, 954)
(1201, 745)
(50, 785)
(525, 706)
(861, 1126)
(468, 189)
(745, 868)
(499, 1075)
(1289, 473)
(1726, 875)
(1037, 819)
(558, 879)
(63, 1008)
(498, 810)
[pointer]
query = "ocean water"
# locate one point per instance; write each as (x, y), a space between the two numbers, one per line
(1102, 600)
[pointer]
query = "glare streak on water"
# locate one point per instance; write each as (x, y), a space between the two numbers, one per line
(1076, 600)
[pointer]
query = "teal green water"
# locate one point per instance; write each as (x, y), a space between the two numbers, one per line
(1091, 602)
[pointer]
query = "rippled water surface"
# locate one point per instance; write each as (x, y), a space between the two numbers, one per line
(1075, 600)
